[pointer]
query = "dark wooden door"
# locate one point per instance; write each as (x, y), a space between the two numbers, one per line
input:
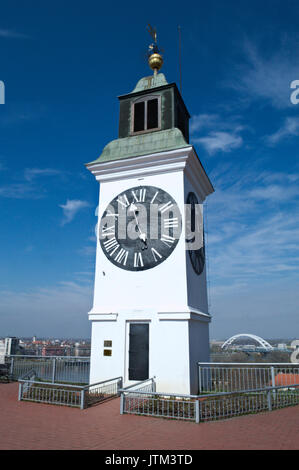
(138, 351)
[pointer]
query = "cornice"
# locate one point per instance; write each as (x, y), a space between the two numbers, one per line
(184, 159)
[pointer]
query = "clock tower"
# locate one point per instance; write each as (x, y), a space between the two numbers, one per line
(150, 311)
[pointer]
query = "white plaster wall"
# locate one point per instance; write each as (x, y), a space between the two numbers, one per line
(199, 350)
(196, 284)
(160, 288)
(171, 357)
(105, 367)
(168, 346)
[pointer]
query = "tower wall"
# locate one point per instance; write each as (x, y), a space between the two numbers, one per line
(170, 298)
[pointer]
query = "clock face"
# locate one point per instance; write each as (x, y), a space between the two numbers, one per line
(197, 257)
(140, 228)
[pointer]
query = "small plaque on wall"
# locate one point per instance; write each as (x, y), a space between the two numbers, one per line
(107, 343)
(107, 352)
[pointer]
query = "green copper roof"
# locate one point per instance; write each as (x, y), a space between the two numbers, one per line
(143, 144)
(153, 81)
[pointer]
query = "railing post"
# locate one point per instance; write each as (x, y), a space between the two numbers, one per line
(119, 385)
(82, 401)
(269, 399)
(199, 380)
(197, 411)
(273, 377)
(20, 391)
(11, 367)
(122, 403)
(53, 370)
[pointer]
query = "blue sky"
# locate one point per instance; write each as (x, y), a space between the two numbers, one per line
(64, 64)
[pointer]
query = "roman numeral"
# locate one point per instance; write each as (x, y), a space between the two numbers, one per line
(123, 200)
(138, 261)
(141, 195)
(171, 222)
(156, 254)
(111, 245)
(122, 256)
(111, 214)
(108, 231)
(168, 240)
(156, 194)
(166, 207)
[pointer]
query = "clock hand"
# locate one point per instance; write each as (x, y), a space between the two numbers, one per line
(133, 208)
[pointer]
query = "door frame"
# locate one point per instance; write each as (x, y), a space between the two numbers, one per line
(127, 345)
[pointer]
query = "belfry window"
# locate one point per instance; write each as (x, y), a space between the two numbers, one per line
(146, 114)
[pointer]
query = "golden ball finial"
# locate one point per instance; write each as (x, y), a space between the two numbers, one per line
(155, 61)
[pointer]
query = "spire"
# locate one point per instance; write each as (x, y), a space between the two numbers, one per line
(155, 59)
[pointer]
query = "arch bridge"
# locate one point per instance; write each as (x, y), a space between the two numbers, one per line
(263, 343)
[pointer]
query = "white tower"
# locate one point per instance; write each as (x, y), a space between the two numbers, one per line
(150, 311)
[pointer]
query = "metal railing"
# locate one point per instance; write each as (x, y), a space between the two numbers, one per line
(26, 381)
(53, 369)
(142, 399)
(210, 406)
(217, 377)
(66, 394)
(147, 385)
(101, 391)
(230, 404)
(47, 392)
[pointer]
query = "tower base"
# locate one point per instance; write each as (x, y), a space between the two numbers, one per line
(141, 344)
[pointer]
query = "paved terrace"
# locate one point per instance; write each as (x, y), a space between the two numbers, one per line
(35, 426)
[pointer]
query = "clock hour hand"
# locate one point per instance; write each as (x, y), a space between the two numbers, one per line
(142, 237)
(133, 208)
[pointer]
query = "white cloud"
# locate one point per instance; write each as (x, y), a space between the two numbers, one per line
(253, 228)
(220, 141)
(11, 34)
(87, 251)
(57, 310)
(268, 78)
(28, 188)
(71, 208)
(219, 134)
(32, 173)
(274, 192)
(20, 191)
(270, 311)
(290, 128)
(203, 121)
(252, 225)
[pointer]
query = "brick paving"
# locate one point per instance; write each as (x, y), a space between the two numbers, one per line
(34, 426)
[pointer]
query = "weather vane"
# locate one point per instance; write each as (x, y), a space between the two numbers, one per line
(155, 59)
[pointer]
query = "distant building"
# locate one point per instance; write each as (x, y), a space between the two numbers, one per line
(82, 350)
(11, 345)
(8, 347)
(282, 379)
(50, 350)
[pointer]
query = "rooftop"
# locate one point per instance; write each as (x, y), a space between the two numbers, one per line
(34, 426)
